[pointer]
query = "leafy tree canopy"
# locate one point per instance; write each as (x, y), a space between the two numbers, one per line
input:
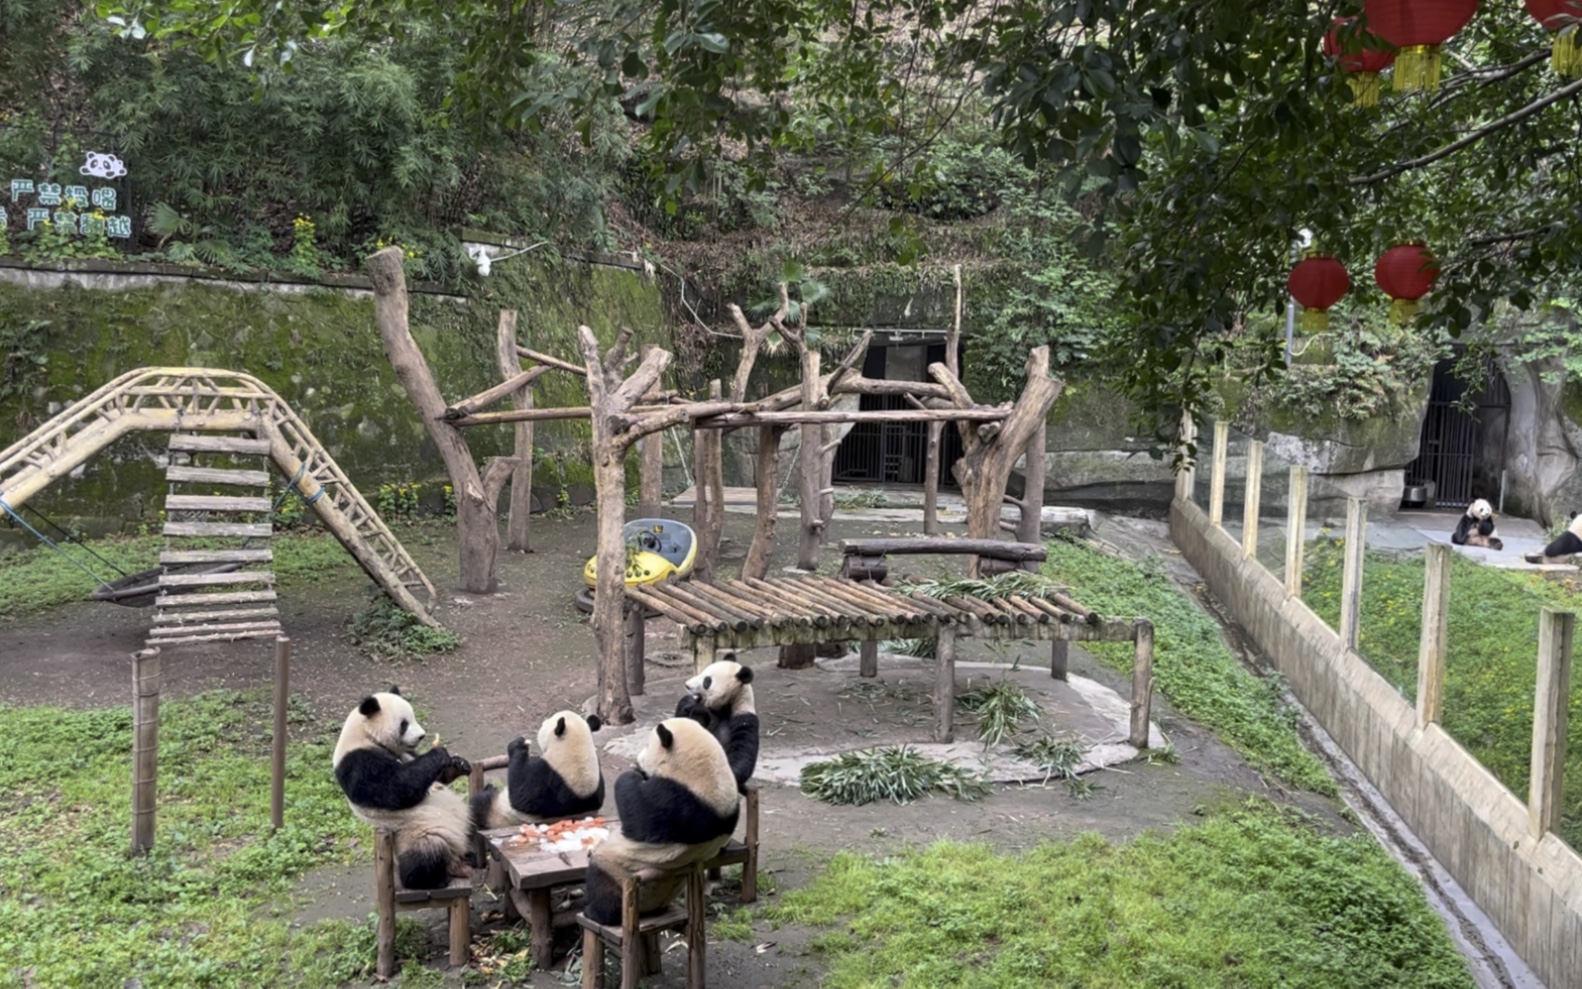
(1206, 132)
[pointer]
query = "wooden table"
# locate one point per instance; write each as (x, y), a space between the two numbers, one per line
(527, 877)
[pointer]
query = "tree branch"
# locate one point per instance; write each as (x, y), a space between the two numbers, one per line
(494, 478)
(1514, 117)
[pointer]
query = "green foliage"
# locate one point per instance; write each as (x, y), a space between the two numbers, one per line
(50, 242)
(399, 502)
(39, 579)
(1023, 583)
(1251, 897)
(23, 358)
(1192, 665)
(1057, 757)
(1001, 709)
(900, 774)
(1491, 657)
(205, 906)
(388, 632)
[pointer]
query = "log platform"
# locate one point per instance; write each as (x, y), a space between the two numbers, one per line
(808, 609)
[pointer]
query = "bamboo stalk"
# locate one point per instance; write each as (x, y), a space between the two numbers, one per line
(1058, 614)
(979, 610)
(737, 620)
(1042, 617)
(742, 590)
(1091, 617)
(695, 623)
(854, 610)
(717, 596)
(897, 604)
(817, 614)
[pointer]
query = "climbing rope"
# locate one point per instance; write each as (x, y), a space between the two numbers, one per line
(52, 545)
(74, 540)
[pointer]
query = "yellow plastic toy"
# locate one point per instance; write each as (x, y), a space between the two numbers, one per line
(656, 549)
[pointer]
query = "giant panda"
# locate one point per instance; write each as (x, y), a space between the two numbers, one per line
(392, 788)
(1566, 545)
(563, 780)
(1476, 527)
(721, 700)
(679, 805)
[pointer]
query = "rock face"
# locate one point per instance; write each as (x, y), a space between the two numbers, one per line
(1543, 458)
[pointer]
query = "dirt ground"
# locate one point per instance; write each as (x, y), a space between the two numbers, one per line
(528, 652)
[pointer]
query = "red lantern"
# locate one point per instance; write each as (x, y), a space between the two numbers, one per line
(1362, 55)
(1405, 272)
(1564, 17)
(1318, 281)
(1417, 28)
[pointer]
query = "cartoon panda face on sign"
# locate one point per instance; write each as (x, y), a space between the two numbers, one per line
(102, 165)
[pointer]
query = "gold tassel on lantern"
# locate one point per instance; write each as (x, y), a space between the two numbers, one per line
(1403, 311)
(1566, 56)
(1364, 88)
(1417, 68)
(1314, 320)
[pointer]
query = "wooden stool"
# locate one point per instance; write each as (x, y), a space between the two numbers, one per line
(743, 852)
(637, 939)
(389, 899)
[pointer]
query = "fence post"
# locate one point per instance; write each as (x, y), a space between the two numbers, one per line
(1216, 481)
(1249, 514)
(145, 746)
(1549, 719)
(1186, 478)
(277, 743)
(1436, 626)
(1295, 532)
(1351, 574)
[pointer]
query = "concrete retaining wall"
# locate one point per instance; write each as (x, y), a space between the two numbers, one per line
(1530, 887)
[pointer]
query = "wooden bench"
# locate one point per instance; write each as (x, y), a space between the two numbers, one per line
(636, 940)
(391, 898)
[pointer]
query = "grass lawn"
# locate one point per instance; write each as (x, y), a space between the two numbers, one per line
(1492, 662)
(39, 579)
(209, 906)
(1192, 665)
(1250, 897)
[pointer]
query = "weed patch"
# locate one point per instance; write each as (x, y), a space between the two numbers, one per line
(205, 906)
(1253, 897)
(1491, 666)
(1192, 665)
(388, 632)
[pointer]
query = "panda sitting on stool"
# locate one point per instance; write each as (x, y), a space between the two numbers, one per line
(564, 780)
(1567, 545)
(392, 788)
(721, 700)
(1476, 527)
(678, 806)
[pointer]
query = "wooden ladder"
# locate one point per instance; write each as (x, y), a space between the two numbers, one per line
(231, 594)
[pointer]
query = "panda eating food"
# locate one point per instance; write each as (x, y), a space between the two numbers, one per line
(1476, 527)
(563, 780)
(678, 806)
(721, 700)
(392, 788)
(1565, 546)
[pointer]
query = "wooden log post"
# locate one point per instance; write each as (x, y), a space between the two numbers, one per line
(1351, 572)
(1296, 532)
(765, 474)
(936, 429)
(1216, 481)
(1250, 506)
(277, 744)
(1555, 629)
(477, 494)
(945, 685)
(145, 746)
(1029, 528)
(697, 930)
(384, 903)
(1431, 649)
(868, 658)
(810, 462)
(989, 453)
(636, 648)
(518, 538)
(709, 511)
(612, 398)
(651, 471)
(1142, 681)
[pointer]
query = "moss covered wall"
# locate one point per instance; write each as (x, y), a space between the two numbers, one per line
(318, 348)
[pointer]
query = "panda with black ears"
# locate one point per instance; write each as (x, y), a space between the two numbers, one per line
(1565, 546)
(679, 805)
(1476, 527)
(392, 788)
(562, 781)
(721, 700)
